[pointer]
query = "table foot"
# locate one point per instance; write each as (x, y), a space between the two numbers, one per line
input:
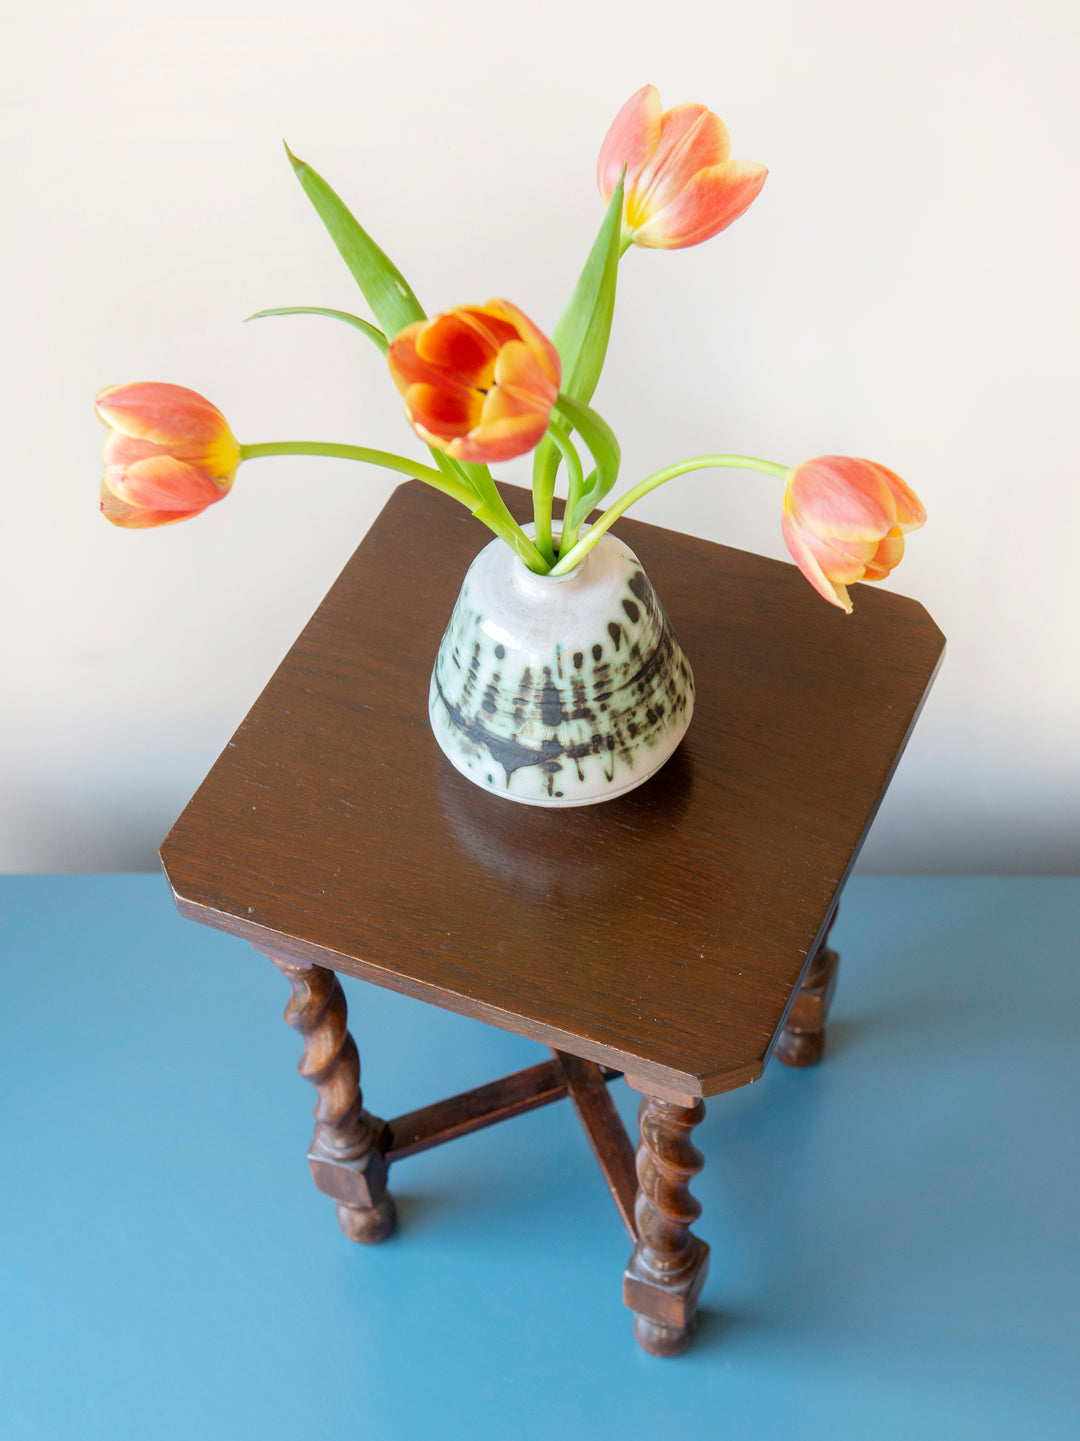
(802, 1040)
(368, 1224)
(346, 1156)
(667, 1270)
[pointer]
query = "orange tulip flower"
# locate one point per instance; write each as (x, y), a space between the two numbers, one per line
(479, 381)
(168, 455)
(844, 520)
(681, 184)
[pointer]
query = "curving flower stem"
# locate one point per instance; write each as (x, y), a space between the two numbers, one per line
(604, 448)
(498, 521)
(578, 552)
(574, 471)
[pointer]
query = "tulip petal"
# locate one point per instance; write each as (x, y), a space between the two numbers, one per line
(137, 517)
(501, 440)
(457, 342)
(835, 594)
(407, 368)
(162, 482)
(219, 460)
(692, 138)
(120, 449)
(849, 499)
(709, 202)
(544, 352)
(496, 319)
(162, 413)
(887, 557)
(844, 561)
(518, 368)
(631, 140)
(442, 412)
(910, 511)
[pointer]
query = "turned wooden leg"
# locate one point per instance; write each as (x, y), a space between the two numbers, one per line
(346, 1155)
(802, 1040)
(667, 1270)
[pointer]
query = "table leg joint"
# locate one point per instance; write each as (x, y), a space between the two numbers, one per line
(614, 1151)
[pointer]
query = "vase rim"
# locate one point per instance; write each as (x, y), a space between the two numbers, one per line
(546, 577)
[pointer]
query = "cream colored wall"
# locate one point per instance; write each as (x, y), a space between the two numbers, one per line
(905, 288)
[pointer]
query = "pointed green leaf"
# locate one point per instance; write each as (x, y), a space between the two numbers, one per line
(581, 336)
(372, 332)
(385, 288)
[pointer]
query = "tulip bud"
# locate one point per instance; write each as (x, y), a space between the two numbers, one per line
(844, 520)
(168, 455)
(682, 187)
(479, 381)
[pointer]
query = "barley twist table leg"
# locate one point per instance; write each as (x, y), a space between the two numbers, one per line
(802, 1040)
(668, 1267)
(346, 1157)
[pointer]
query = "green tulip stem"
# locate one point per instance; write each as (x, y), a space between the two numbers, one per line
(573, 469)
(504, 526)
(578, 552)
(604, 448)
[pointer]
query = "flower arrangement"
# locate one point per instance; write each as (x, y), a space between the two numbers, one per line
(482, 384)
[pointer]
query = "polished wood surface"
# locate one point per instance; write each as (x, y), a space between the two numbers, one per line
(665, 933)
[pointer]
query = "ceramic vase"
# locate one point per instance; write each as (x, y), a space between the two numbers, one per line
(559, 690)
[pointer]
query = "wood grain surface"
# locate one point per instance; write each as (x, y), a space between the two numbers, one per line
(665, 933)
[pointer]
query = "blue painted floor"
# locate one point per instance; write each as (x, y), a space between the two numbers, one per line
(894, 1234)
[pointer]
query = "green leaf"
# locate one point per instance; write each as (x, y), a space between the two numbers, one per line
(372, 332)
(385, 288)
(581, 336)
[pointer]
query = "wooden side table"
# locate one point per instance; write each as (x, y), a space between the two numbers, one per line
(676, 935)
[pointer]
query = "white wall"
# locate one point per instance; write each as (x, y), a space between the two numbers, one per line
(905, 288)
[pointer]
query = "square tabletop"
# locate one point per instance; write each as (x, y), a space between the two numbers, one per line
(664, 933)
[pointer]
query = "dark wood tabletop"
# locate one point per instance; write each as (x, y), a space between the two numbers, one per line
(664, 933)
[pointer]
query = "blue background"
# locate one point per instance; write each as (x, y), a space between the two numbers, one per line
(893, 1232)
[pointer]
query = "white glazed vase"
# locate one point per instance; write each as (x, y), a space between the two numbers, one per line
(559, 690)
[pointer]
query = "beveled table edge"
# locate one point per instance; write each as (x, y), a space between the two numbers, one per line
(264, 938)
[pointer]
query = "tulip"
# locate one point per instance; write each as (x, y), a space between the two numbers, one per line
(681, 185)
(168, 455)
(479, 381)
(844, 520)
